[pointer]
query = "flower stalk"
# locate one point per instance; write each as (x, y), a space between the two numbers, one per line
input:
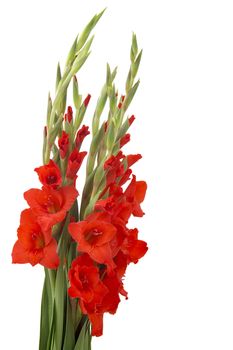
(85, 250)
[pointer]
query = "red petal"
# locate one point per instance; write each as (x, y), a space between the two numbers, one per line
(103, 255)
(72, 291)
(137, 210)
(27, 217)
(35, 257)
(140, 192)
(132, 159)
(19, 254)
(51, 258)
(138, 250)
(96, 320)
(76, 228)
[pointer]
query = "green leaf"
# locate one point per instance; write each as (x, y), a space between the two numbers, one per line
(58, 75)
(123, 129)
(86, 193)
(95, 145)
(78, 63)
(83, 339)
(129, 81)
(111, 135)
(114, 73)
(57, 127)
(69, 340)
(71, 254)
(88, 337)
(87, 30)
(76, 97)
(134, 48)
(103, 98)
(79, 116)
(59, 298)
(44, 318)
(99, 109)
(72, 53)
(64, 240)
(136, 64)
(130, 95)
(47, 312)
(81, 57)
(49, 108)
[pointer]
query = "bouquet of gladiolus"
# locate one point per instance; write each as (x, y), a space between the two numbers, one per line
(85, 246)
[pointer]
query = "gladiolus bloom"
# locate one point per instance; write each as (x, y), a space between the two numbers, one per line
(135, 194)
(63, 144)
(85, 280)
(87, 100)
(81, 134)
(124, 140)
(69, 115)
(74, 163)
(34, 244)
(49, 205)
(96, 309)
(94, 238)
(49, 174)
(131, 119)
(132, 247)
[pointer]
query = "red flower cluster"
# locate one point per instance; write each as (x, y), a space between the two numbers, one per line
(48, 206)
(106, 244)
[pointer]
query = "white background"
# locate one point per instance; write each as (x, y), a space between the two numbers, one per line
(181, 293)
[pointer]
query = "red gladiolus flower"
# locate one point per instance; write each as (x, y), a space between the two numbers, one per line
(114, 168)
(49, 174)
(116, 207)
(63, 144)
(94, 238)
(131, 119)
(135, 194)
(131, 159)
(49, 205)
(69, 115)
(34, 244)
(114, 163)
(85, 280)
(124, 140)
(96, 309)
(74, 163)
(107, 205)
(81, 134)
(132, 247)
(87, 100)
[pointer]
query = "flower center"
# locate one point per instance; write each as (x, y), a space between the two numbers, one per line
(84, 281)
(37, 240)
(51, 179)
(52, 205)
(92, 235)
